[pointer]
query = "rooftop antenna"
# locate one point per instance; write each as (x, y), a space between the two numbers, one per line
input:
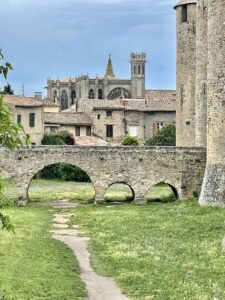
(23, 90)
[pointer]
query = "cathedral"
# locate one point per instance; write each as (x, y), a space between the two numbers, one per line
(66, 92)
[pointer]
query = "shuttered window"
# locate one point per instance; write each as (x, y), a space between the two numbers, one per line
(77, 131)
(32, 120)
(88, 130)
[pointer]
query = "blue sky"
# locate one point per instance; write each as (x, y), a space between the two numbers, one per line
(64, 38)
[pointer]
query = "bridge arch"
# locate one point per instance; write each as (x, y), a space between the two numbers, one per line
(57, 166)
(119, 191)
(167, 188)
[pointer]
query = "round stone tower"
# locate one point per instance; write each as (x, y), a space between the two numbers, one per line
(201, 73)
(213, 190)
(138, 61)
(186, 72)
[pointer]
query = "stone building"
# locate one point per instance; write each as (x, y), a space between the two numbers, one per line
(140, 118)
(30, 113)
(78, 124)
(66, 92)
(201, 88)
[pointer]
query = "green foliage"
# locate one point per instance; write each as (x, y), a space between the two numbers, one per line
(8, 90)
(61, 138)
(65, 172)
(130, 141)
(164, 137)
(72, 173)
(12, 135)
(4, 69)
(52, 139)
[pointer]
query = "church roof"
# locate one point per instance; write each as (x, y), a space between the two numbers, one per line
(75, 118)
(22, 101)
(109, 71)
(185, 2)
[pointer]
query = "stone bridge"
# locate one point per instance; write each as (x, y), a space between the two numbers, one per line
(139, 167)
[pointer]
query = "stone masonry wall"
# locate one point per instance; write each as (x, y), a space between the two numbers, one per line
(201, 73)
(186, 76)
(139, 167)
(213, 191)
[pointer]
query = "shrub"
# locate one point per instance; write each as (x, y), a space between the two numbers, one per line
(164, 137)
(61, 138)
(130, 141)
(52, 139)
(65, 172)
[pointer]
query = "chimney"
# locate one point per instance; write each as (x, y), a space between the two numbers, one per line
(38, 95)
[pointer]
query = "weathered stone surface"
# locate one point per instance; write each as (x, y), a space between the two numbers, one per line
(139, 167)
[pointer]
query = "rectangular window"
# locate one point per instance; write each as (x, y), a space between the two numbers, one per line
(109, 131)
(19, 119)
(109, 113)
(77, 131)
(32, 120)
(133, 131)
(184, 15)
(88, 130)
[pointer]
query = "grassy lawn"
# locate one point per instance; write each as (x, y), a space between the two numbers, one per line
(51, 190)
(170, 251)
(34, 266)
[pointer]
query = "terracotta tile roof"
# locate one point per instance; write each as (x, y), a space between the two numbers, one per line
(67, 118)
(155, 100)
(22, 101)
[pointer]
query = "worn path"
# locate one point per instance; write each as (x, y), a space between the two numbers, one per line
(98, 287)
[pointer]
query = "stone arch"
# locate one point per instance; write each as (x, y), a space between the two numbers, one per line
(100, 94)
(35, 172)
(55, 96)
(73, 96)
(130, 197)
(64, 100)
(119, 92)
(91, 94)
(173, 187)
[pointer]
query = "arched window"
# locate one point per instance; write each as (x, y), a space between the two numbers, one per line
(143, 70)
(64, 100)
(55, 96)
(100, 94)
(134, 70)
(91, 94)
(139, 70)
(73, 97)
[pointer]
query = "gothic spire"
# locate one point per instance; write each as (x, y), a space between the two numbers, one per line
(109, 70)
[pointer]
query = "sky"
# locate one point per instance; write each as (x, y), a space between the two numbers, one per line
(66, 38)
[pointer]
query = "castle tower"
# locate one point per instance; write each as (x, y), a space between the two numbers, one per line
(109, 70)
(186, 72)
(201, 73)
(138, 61)
(213, 190)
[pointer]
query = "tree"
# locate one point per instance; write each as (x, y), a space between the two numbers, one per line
(7, 90)
(164, 137)
(9, 136)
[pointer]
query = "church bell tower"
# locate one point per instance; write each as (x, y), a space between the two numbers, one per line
(138, 61)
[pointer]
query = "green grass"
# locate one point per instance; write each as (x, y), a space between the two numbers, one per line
(171, 251)
(32, 265)
(52, 190)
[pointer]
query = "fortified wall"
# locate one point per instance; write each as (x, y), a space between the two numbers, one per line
(201, 88)
(139, 167)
